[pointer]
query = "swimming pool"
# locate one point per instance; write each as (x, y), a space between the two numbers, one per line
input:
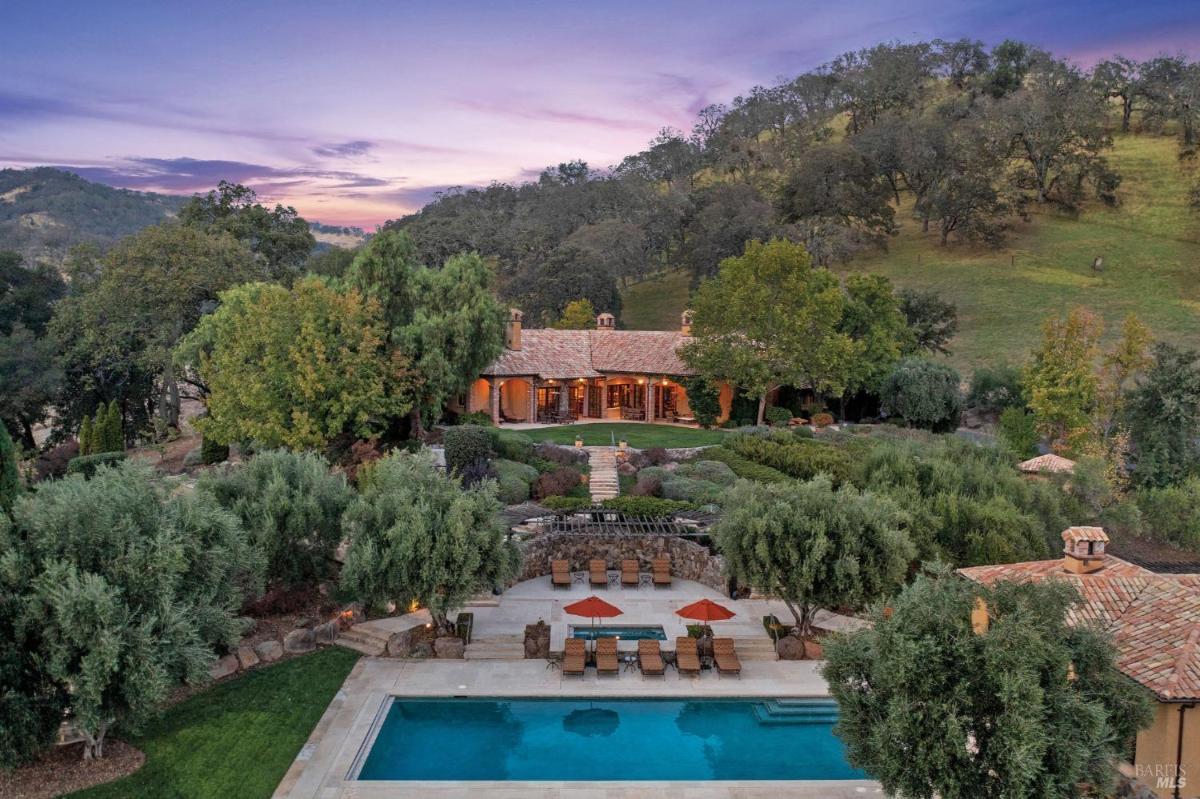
(627, 632)
(573, 739)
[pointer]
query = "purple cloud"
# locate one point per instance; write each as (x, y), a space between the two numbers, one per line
(346, 149)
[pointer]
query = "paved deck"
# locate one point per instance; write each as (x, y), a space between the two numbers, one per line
(321, 768)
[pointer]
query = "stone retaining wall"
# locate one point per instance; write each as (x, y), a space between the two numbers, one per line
(689, 560)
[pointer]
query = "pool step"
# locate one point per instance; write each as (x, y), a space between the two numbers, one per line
(501, 647)
(796, 711)
(363, 641)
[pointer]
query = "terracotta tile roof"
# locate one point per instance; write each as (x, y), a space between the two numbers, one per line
(1154, 619)
(1073, 534)
(564, 354)
(1055, 464)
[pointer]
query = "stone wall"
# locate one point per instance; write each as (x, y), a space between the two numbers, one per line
(689, 560)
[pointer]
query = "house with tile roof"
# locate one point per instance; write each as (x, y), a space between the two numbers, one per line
(1154, 620)
(547, 375)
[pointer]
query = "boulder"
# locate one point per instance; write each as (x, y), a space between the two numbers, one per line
(246, 656)
(449, 647)
(399, 645)
(224, 667)
(813, 651)
(269, 651)
(972, 420)
(327, 633)
(421, 649)
(790, 647)
(298, 641)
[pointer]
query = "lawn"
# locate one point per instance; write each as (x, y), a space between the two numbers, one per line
(1150, 245)
(238, 738)
(639, 436)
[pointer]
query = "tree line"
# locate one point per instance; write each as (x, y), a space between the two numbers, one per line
(958, 138)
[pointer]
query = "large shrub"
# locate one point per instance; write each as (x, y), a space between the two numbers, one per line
(1172, 514)
(923, 393)
(557, 483)
(514, 480)
(711, 471)
(133, 590)
(777, 416)
(1017, 430)
(704, 398)
(10, 479)
(743, 467)
(799, 458)
(683, 489)
(291, 506)
(416, 533)
(511, 445)
(87, 465)
(994, 388)
(466, 444)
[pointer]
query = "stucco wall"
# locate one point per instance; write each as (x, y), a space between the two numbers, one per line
(1155, 755)
(689, 560)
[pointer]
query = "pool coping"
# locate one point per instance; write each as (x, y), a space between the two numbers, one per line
(323, 766)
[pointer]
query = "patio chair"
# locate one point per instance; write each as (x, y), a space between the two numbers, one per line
(560, 574)
(650, 659)
(687, 658)
(574, 657)
(606, 656)
(629, 573)
(598, 572)
(725, 654)
(662, 572)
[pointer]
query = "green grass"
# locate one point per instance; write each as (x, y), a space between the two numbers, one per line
(236, 739)
(639, 436)
(1150, 245)
(656, 303)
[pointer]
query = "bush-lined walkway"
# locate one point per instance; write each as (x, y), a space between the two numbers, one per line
(237, 738)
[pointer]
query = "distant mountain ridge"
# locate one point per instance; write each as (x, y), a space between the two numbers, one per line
(45, 211)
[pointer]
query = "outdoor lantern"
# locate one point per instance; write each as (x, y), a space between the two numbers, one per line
(622, 445)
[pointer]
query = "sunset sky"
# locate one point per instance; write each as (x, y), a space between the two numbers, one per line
(357, 112)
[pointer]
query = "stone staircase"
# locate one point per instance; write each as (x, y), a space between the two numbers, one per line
(363, 639)
(602, 479)
(758, 647)
(496, 647)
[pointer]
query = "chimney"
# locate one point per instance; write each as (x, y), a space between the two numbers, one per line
(685, 323)
(512, 330)
(1083, 549)
(605, 321)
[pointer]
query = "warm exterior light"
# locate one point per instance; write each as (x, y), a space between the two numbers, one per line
(640, 381)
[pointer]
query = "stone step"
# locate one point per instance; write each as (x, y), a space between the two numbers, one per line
(495, 649)
(369, 647)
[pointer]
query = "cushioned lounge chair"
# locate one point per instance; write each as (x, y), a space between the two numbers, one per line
(574, 657)
(598, 573)
(606, 656)
(662, 571)
(629, 573)
(560, 574)
(725, 654)
(650, 659)
(687, 657)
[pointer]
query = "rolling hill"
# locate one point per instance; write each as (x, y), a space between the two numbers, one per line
(1150, 246)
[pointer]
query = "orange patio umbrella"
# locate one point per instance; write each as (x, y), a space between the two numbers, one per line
(594, 608)
(705, 611)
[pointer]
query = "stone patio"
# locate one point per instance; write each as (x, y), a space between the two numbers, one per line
(321, 768)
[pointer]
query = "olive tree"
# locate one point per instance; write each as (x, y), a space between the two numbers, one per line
(812, 546)
(416, 533)
(1030, 708)
(133, 590)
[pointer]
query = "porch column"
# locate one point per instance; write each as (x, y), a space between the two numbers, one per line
(649, 398)
(564, 396)
(587, 393)
(494, 400)
(532, 399)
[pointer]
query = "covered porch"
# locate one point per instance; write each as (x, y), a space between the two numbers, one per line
(539, 400)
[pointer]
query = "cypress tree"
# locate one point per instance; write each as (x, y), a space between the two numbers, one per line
(10, 483)
(114, 438)
(85, 436)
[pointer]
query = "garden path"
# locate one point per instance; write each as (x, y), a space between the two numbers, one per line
(602, 479)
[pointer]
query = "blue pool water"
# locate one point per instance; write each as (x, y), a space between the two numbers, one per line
(625, 633)
(607, 739)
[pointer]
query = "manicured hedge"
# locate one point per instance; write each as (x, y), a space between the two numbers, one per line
(744, 468)
(653, 507)
(800, 458)
(87, 464)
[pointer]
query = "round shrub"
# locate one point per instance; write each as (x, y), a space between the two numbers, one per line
(822, 419)
(464, 445)
(710, 471)
(511, 445)
(557, 483)
(88, 464)
(924, 394)
(804, 431)
(994, 388)
(777, 416)
(647, 486)
(512, 469)
(683, 489)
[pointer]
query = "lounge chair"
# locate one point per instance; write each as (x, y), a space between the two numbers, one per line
(687, 658)
(560, 574)
(629, 573)
(650, 659)
(725, 654)
(606, 656)
(662, 572)
(599, 573)
(574, 657)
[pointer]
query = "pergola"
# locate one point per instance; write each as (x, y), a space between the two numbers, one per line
(599, 521)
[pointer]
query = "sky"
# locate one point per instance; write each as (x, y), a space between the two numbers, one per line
(356, 112)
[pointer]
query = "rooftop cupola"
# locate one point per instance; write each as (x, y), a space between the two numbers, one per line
(606, 321)
(1083, 549)
(512, 330)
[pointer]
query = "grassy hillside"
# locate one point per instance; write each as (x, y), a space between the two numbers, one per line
(1150, 246)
